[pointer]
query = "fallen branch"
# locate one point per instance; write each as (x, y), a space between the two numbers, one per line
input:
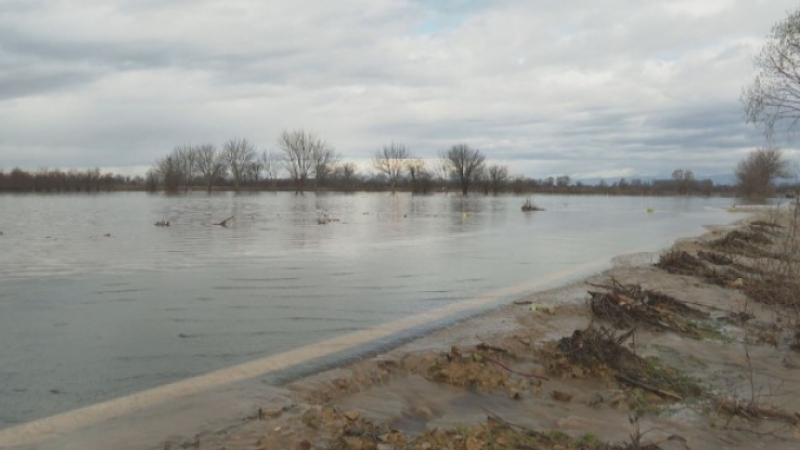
(486, 346)
(526, 375)
(751, 411)
(507, 424)
(647, 387)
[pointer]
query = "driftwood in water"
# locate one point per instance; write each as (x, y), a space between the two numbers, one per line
(529, 206)
(224, 223)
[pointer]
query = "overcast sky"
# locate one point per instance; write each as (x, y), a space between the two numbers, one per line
(578, 87)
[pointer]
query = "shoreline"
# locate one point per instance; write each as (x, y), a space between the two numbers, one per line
(321, 384)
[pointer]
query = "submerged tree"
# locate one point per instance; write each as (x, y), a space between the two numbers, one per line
(391, 161)
(772, 101)
(684, 180)
(238, 154)
(757, 173)
(210, 164)
(269, 163)
(498, 177)
(466, 164)
(421, 178)
(298, 147)
(325, 160)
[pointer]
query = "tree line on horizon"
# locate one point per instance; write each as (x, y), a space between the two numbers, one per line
(306, 162)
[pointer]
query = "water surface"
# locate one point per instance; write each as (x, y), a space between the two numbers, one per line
(96, 302)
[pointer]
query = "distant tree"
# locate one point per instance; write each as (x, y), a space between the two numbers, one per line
(151, 180)
(210, 164)
(168, 171)
(498, 177)
(325, 160)
(185, 158)
(298, 147)
(562, 181)
(757, 173)
(421, 178)
(466, 164)
(346, 175)
(253, 170)
(238, 154)
(269, 162)
(684, 180)
(391, 161)
(772, 100)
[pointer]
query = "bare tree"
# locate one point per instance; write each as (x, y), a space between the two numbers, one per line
(253, 170)
(325, 160)
(498, 177)
(167, 171)
(758, 172)
(420, 176)
(298, 148)
(772, 100)
(466, 164)
(269, 162)
(238, 154)
(391, 161)
(184, 156)
(684, 180)
(346, 175)
(210, 164)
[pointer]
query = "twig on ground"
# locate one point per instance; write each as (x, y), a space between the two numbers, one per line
(647, 387)
(526, 375)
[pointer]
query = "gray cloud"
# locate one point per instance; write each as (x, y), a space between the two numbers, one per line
(574, 87)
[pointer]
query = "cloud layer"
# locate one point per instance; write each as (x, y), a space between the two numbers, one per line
(575, 87)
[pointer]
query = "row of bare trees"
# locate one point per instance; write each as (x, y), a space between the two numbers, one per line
(207, 165)
(304, 157)
(461, 163)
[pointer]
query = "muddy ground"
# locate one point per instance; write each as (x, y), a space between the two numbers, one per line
(698, 351)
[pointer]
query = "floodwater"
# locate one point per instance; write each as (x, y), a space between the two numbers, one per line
(96, 302)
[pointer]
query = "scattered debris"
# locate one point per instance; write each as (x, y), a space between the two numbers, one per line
(162, 223)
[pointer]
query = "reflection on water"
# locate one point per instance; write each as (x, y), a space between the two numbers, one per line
(96, 302)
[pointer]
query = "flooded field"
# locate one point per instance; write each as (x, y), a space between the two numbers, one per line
(96, 302)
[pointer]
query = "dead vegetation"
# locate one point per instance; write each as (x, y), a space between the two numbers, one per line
(600, 353)
(340, 430)
(628, 307)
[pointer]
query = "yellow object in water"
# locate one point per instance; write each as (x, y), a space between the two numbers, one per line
(650, 210)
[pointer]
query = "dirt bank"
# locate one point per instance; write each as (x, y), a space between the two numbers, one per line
(694, 348)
